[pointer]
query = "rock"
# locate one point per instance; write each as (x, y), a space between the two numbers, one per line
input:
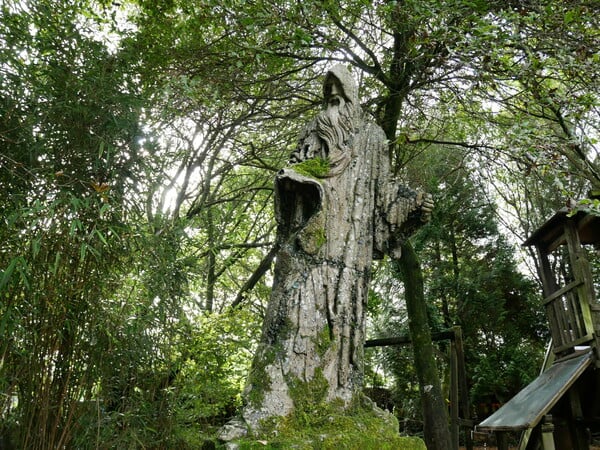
(234, 429)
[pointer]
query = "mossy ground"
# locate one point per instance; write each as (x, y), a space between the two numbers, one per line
(340, 433)
(320, 424)
(334, 431)
(329, 426)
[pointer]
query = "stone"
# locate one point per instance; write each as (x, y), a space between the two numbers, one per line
(233, 430)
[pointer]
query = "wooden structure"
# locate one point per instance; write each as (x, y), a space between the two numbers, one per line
(569, 298)
(459, 395)
(557, 410)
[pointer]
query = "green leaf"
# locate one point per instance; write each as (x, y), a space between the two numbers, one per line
(75, 225)
(55, 265)
(35, 246)
(7, 273)
(101, 237)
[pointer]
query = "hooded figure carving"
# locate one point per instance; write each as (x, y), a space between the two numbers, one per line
(330, 227)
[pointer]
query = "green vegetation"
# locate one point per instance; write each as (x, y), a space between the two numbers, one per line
(313, 236)
(138, 145)
(313, 167)
(258, 376)
(323, 341)
(320, 425)
(308, 396)
(353, 432)
(320, 237)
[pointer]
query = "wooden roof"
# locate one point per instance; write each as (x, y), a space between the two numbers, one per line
(550, 235)
(528, 407)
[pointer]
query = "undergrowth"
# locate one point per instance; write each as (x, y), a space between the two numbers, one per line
(329, 426)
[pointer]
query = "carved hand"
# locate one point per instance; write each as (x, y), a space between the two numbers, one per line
(425, 202)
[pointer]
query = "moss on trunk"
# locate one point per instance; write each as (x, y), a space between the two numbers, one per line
(435, 416)
(316, 423)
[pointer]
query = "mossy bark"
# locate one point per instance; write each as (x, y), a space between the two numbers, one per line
(435, 415)
(337, 208)
(315, 321)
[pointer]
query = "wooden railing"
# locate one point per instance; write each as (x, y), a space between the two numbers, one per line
(570, 317)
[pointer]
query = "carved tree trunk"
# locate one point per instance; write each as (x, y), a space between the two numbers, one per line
(336, 209)
(314, 329)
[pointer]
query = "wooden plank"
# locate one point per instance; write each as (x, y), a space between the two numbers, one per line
(526, 409)
(588, 228)
(574, 317)
(581, 341)
(554, 325)
(548, 433)
(502, 440)
(549, 284)
(570, 318)
(404, 340)
(562, 291)
(578, 431)
(548, 235)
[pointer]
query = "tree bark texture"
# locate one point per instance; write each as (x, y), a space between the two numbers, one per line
(435, 414)
(337, 208)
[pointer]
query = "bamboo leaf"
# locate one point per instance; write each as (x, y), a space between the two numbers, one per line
(7, 273)
(101, 237)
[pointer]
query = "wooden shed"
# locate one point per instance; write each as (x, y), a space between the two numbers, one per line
(561, 407)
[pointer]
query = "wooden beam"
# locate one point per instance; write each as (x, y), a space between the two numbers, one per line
(447, 335)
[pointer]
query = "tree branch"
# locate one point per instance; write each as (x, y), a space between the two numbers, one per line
(262, 268)
(454, 143)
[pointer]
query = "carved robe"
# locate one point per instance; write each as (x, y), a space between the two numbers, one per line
(330, 228)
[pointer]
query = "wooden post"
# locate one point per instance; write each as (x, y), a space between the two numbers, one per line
(454, 419)
(582, 272)
(578, 434)
(548, 282)
(463, 389)
(548, 433)
(502, 440)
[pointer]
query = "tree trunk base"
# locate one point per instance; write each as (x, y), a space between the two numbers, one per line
(362, 426)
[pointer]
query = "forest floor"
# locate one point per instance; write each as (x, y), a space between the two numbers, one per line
(593, 447)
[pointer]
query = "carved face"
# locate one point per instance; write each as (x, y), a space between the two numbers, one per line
(334, 124)
(328, 135)
(335, 103)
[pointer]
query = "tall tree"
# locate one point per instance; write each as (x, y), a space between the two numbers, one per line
(75, 321)
(474, 280)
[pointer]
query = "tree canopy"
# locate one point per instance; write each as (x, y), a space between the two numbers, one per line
(138, 144)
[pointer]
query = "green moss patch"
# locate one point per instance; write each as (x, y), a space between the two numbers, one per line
(308, 396)
(320, 237)
(323, 341)
(258, 377)
(313, 237)
(319, 425)
(314, 167)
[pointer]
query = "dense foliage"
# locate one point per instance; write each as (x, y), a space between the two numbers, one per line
(138, 141)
